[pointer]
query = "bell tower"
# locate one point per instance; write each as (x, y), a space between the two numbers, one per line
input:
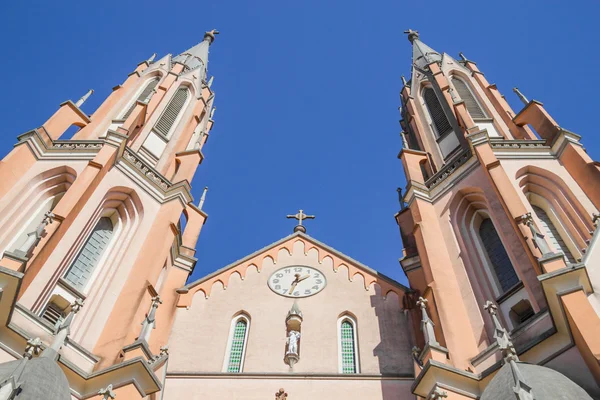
(105, 222)
(499, 205)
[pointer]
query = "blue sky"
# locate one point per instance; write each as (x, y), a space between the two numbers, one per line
(307, 96)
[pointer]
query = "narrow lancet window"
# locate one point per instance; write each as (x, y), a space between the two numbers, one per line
(552, 234)
(503, 268)
(348, 347)
(169, 116)
(237, 345)
(143, 97)
(80, 271)
(438, 117)
(468, 97)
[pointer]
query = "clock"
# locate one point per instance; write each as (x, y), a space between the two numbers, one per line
(297, 281)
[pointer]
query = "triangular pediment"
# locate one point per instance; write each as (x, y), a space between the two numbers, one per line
(288, 243)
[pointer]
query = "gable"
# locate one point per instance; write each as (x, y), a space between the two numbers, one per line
(373, 280)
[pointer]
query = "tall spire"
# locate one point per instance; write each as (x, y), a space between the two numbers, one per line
(83, 98)
(197, 56)
(423, 55)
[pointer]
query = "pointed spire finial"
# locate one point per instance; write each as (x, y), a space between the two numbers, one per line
(151, 59)
(521, 96)
(401, 199)
(412, 35)
(202, 198)
(107, 392)
(462, 56)
(500, 334)
(211, 116)
(83, 98)
(427, 323)
(536, 236)
(211, 35)
(403, 79)
(210, 81)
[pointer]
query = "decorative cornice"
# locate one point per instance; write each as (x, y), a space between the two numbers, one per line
(449, 168)
(159, 187)
(44, 148)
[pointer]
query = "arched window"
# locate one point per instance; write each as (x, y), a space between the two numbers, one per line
(236, 348)
(503, 269)
(438, 117)
(551, 233)
(169, 116)
(348, 346)
(468, 97)
(80, 271)
(143, 97)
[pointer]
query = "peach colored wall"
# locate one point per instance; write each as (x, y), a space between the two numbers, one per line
(383, 329)
(205, 388)
(104, 291)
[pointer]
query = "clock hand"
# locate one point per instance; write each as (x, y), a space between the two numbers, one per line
(293, 287)
(303, 278)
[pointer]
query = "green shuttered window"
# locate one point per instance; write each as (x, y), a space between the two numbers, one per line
(238, 342)
(348, 347)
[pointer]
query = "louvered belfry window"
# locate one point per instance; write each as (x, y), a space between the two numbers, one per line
(441, 123)
(467, 96)
(348, 347)
(80, 271)
(169, 116)
(238, 341)
(497, 255)
(143, 97)
(551, 233)
(53, 314)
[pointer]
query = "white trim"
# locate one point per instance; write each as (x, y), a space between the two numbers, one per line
(349, 318)
(234, 321)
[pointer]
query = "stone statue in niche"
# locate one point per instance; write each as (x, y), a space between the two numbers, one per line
(292, 342)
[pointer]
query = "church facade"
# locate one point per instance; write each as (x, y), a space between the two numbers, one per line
(498, 225)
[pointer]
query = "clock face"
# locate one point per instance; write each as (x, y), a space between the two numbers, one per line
(297, 281)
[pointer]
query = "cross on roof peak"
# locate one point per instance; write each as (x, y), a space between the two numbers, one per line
(300, 217)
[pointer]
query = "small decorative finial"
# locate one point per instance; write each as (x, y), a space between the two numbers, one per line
(211, 35)
(76, 306)
(164, 350)
(595, 218)
(416, 351)
(536, 236)
(427, 324)
(300, 217)
(82, 100)
(462, 56)
(521, 96)
(210, 81)
(107, 392)
(400, 199)
(202, 198)
(151, 59)
(438, 394)
(453, 95)
(33, 347)
(211, 116)
(500, 334)
(403, 79)
(412, 35)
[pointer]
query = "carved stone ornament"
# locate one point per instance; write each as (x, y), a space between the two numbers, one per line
(281, 394)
